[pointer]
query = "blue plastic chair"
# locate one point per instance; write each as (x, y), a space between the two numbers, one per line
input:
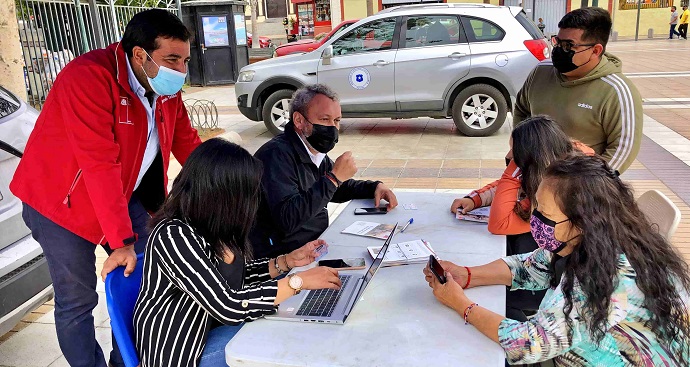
(121, 295)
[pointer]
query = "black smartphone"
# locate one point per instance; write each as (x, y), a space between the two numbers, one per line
(365, 211)
(353, 264)
(437, 269)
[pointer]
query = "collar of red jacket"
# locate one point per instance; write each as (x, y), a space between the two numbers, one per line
(121, 73)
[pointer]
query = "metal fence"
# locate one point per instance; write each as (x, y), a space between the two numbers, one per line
(53, 32)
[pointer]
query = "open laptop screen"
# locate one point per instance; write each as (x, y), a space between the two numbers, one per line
(376, 264)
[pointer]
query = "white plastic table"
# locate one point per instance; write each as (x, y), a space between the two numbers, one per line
(398, 322)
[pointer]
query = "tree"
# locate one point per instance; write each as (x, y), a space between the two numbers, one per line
(254, 4)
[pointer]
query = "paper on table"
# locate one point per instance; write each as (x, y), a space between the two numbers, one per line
(478, 215)
(370, 229)
(410, 252)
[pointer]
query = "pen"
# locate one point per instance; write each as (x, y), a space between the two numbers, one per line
(407, 224)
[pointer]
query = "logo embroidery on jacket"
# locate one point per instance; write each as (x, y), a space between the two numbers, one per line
(584, 105)
(124, 115)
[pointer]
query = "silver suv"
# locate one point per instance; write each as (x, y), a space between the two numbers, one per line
(24, 278)
(465, 61)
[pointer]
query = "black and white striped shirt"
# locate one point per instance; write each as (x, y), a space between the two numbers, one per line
(182, 290)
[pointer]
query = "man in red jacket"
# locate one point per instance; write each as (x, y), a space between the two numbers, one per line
(96, 165)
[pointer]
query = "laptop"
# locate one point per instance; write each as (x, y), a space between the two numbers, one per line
(330, 306)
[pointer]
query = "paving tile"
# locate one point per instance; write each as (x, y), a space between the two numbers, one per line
(420, 172)
(459, 173)
(492, 172)
(461, 163)
(21, 348)
(384, 163)
(382, 172)
(494, 163)
(458, 183)
(638, 174)
(424, 163)
(416, 183)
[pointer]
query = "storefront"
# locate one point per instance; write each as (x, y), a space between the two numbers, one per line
(313, 17)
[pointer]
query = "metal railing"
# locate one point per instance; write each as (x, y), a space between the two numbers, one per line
(53, 32)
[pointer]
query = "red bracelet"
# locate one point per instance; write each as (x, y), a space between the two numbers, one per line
(467, 312)
(469, 276)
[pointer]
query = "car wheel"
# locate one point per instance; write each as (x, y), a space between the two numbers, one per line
(276, 110)
(479, 110)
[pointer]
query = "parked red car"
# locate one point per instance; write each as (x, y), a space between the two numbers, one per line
(264, 41)
(308, 45)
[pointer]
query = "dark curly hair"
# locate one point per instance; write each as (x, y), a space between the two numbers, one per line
(537, 142)
(602, 207)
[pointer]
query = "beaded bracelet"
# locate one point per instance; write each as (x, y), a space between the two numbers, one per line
(286, 263)
(469, 276)
(467, 312)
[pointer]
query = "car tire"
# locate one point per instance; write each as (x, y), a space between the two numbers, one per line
(276, 110)
(479, 110)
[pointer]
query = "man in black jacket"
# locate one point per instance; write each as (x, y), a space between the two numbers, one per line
(300, 179)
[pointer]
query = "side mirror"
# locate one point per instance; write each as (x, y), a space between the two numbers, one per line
(327, 55)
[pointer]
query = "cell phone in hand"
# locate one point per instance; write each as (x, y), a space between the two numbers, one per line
(367, 211)
(437, 269)
(344, 264)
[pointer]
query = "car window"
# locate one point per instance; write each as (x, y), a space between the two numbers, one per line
(8, 103)
(374, 36)
(479, 30)
(433, 30)
(342, 29)
(529, 26)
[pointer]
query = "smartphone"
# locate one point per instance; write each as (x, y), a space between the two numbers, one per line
(437, 269)
(352, 264)
(365, 211)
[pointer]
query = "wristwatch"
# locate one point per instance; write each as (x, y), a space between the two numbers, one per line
(295, 282)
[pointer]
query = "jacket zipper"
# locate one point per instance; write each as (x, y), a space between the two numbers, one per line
(71, 189)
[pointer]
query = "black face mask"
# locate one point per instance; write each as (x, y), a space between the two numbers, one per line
(323, 138)
(563, 61)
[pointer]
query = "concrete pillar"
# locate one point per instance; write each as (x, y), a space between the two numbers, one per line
(11, 60)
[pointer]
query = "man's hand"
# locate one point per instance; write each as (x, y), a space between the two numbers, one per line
(124, 256)
(383, 192)
(344, 167)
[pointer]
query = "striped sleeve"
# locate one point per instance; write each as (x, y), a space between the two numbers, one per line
(622, 123)
(184, 261)
(256, 271)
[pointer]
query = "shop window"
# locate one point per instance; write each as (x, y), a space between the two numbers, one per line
(374, 36)
(479, 30)
(323, 10)
(433, 31)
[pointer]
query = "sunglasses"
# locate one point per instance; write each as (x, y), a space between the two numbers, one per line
(567, 45)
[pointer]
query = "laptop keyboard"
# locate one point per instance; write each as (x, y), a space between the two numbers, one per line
(322, 302)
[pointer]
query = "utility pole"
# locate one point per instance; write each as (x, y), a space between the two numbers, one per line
(637, 26)
(255, 28)
(11, 67)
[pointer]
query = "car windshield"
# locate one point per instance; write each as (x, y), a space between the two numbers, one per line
(8, 103)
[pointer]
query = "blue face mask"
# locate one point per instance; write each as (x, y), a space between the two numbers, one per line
(167, 81)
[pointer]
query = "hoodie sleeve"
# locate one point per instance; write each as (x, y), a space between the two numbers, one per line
(622, 123)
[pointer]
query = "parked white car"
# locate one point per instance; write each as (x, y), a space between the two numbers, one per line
(25, 282)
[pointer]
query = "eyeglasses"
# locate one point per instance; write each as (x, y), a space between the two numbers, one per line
(567, 45)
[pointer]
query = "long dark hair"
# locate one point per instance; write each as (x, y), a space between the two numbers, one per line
(537, 142)
(217, 193)
(603, 209)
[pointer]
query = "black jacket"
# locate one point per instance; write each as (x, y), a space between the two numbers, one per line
(295, 194)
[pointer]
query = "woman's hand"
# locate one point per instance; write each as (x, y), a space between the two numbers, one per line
(464, 205)
(306, 254)
(450, 294)
(320, 277)
(459, 273)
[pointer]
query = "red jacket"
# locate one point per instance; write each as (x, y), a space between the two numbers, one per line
(84, 155)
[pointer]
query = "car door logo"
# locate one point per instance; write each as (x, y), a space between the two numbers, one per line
(359, 78)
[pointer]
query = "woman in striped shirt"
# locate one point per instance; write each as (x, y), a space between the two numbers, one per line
(198, 268)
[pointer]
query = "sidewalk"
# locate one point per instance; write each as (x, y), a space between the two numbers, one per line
(427, 154)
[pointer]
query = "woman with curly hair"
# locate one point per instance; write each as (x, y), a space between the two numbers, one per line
(616, 289)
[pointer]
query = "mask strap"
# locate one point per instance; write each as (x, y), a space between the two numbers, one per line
(142, 65)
